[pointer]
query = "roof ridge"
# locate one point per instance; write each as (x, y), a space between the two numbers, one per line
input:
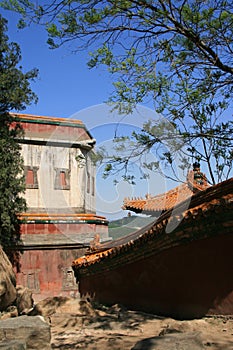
(48, 118)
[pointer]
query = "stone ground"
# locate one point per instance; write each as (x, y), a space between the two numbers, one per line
(116, 328)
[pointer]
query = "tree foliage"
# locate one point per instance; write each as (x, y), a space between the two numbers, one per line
(176, 55)
(15, 94)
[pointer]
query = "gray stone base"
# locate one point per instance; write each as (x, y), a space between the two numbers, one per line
(25, 332)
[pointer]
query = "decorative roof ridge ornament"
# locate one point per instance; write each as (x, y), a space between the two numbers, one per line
(148, 196)
(95, 243)
(196, 179)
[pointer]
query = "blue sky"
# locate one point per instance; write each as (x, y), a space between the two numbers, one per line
(65, 84)
(67, 88)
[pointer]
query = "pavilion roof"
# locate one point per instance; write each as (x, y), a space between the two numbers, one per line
(155, 205)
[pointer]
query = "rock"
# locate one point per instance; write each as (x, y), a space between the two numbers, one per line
(7, 282)
(34, 332)
(87, 309)
(63, 305)
(24, 300)
(11, 311)
(12, 345)
(184, 341)
(48, 306)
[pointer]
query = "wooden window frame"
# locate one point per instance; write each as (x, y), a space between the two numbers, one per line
(31, 280)
(57, 183)
(34, 169)
(69, 281)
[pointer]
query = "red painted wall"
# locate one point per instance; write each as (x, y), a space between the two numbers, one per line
(64, 228)
(46, 270)
(183, 282)
(48, 273)
(47, 130)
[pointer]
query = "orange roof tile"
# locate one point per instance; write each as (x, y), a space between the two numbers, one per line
(168, 200)
(46, 119)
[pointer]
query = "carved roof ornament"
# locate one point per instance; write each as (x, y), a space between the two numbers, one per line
(95, 243)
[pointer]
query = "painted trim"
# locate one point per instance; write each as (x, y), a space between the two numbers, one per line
(29, 118)
(57, 143)
(83, 221)
(57, 215)
(62, 246)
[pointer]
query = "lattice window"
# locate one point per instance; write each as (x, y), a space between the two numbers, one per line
(62, 179)
(31, 280)
(69, 281)
(30, 173)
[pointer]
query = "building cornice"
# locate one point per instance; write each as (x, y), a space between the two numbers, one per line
(34, 119)
(85, 144)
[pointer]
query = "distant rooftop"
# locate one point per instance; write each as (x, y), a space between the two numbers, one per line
(155, 205)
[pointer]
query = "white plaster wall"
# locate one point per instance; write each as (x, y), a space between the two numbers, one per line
(47, 158)
(90, 198)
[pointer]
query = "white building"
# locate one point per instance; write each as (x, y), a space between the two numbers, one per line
(61, 217)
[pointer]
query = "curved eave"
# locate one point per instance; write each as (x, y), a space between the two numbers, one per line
(155, 205)
(155, 213)
(135, 210)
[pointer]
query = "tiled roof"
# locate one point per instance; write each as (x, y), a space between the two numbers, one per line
(211, 203)
(42, 129)
(165, 201)
(47, 120)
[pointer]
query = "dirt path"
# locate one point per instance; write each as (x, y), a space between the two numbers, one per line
(118, 329)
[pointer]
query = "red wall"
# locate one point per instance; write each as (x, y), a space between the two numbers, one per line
(182, 282)
(64, 228)
(48, 130)
(47, 272)
(46, 269)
